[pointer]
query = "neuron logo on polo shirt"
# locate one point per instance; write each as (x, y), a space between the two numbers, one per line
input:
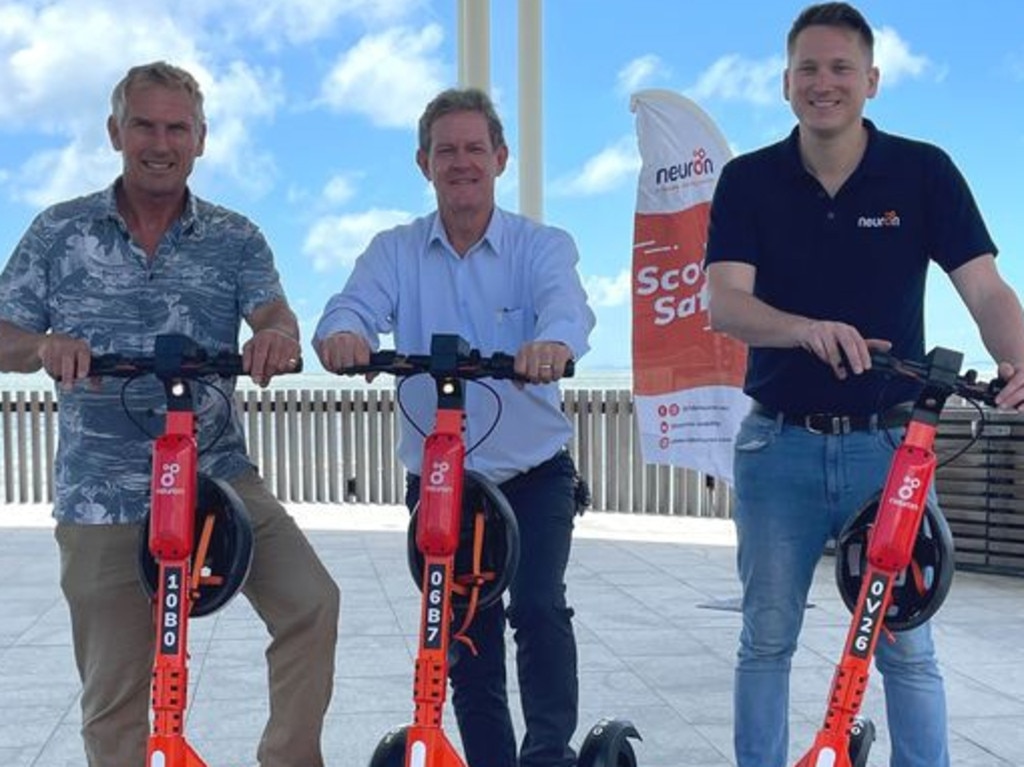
(887, 219)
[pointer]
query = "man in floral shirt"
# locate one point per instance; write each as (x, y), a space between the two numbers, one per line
(107, 273)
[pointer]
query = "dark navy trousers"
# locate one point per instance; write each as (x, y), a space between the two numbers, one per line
(544, 504)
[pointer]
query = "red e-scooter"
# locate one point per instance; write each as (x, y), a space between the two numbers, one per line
(191, 569)
(435, 550)
(894, 558)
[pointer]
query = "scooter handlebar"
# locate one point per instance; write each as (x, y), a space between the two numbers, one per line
(173, 357)
(468, 366)
(966, 385)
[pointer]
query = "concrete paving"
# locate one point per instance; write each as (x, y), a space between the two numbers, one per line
(656, 637)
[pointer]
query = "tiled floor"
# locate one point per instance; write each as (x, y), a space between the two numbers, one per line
(655, 645)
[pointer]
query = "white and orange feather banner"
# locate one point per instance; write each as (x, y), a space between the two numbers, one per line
(687, 380)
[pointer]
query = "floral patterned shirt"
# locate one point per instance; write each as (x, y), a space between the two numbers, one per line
(77, 272)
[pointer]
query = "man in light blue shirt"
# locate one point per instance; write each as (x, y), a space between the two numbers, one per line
(505, 284)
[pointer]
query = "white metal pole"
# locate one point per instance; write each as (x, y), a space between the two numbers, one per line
(475, 44)
(531, 165)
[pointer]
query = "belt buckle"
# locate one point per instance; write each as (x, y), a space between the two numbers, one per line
(809, 424)
(837, 424)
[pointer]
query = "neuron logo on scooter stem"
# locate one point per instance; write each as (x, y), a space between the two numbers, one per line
(168, 479)
(906, 491)
(437, 474)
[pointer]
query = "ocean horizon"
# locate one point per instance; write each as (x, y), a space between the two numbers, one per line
(609, 378)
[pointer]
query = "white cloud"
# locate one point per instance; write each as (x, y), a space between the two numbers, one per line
(389, 76)
(241, 95)
(338, 190)
(735, 78)
(45, 85)
(60, 174)
(609, 291)
(639, 73)
(603, 172)
(243, 90)
(338, 240)
(299, 21)
(894, 59)
(59, 62)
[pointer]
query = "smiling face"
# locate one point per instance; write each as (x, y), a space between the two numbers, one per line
(159, 138)
(462, 164)
(828, 79)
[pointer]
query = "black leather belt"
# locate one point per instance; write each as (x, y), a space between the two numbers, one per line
(835, 423)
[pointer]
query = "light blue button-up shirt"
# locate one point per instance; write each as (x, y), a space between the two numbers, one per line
(518, 284)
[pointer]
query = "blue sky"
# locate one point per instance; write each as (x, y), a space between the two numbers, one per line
(312, 106)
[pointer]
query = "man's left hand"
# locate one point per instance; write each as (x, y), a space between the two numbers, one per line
(542, 361)
(1012, 395)
(270, 352)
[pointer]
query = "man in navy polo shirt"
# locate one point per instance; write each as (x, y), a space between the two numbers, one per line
(818, 249)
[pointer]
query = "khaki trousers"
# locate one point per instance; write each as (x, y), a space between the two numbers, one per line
(113, 633)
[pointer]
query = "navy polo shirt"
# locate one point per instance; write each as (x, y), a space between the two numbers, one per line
(860, 257)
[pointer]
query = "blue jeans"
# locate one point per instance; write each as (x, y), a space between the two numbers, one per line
(795, 490)
(544, 505)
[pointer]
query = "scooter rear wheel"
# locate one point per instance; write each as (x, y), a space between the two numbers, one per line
(500, 546)
(230, 552)
(920, 590)
(607, 744)
(390, 752)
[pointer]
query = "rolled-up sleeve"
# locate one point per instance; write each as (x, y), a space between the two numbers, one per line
(366, 304)
(24, 282)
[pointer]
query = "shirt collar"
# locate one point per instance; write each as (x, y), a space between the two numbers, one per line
(873, 162)
(492, 236)
(190, 221)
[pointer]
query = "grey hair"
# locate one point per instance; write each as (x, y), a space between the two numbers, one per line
(156, 73)
(461, 100)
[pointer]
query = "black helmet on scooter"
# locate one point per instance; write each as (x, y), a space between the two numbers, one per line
(228, 555)
(488, 566)
(918, 591)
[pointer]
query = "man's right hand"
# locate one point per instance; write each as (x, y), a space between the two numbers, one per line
(64, 358)
(840, 346)
(340, 351)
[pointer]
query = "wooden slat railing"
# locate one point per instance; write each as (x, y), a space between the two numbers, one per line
(338, 446)
(982, 491)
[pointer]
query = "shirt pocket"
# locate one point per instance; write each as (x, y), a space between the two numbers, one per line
(509, 330)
